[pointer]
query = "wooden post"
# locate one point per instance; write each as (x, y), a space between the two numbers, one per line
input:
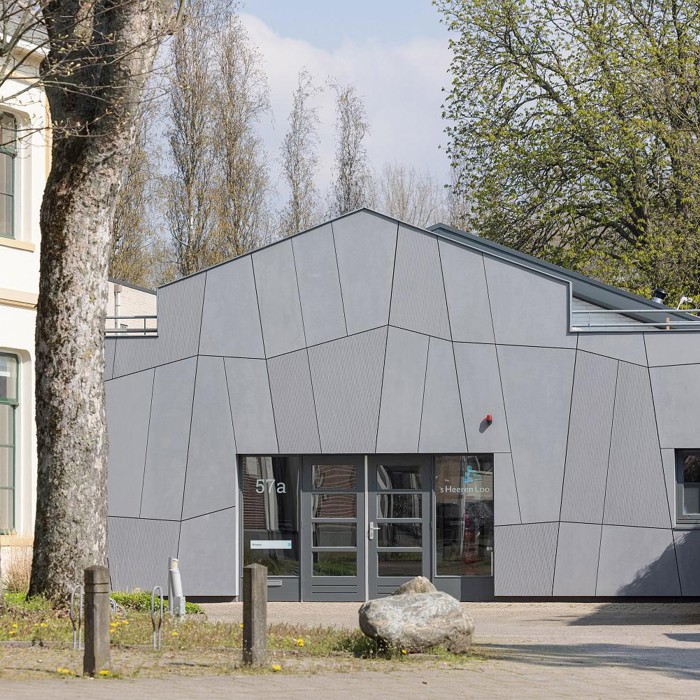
(97, 618)
(254, 614)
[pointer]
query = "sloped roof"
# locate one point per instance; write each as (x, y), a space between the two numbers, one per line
(583, 287)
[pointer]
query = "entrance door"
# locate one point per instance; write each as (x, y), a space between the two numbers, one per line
(333, 532)
(398, 546)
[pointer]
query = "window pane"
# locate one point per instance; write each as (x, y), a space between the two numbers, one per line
(334, 505)
(8, 132)
(400, 563)
(6, 467)
(691, 469)
(7, 413)
(7, 509)
(464, 515)
(400, 505)
(6, 228)
(335, 564)
(691, 499)
(6, 184)
(8, 377)
(334, 476)
(398, 476)
(271, 513)
(335, 535)
(400, 535)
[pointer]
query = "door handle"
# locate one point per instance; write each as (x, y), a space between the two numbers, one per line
(372, 529)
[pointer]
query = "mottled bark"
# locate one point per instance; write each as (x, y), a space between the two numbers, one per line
(94, 108)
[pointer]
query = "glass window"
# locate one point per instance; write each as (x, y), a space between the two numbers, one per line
(271, 513)
(688, 486)
(8, 152)
(9, 395)
(464, 515)
(334, 476)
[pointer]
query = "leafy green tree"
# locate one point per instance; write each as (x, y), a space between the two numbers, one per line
(574, 128)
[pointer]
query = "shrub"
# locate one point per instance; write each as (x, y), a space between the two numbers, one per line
(140, 601)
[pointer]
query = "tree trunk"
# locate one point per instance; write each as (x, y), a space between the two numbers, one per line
(89, 159)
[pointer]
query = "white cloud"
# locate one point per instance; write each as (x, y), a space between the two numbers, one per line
(400, 83)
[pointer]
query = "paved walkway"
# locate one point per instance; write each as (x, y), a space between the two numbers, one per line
(534, 650)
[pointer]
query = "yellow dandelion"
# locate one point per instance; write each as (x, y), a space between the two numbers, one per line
(14, 625)
(105, 673)
(241, 625)
(300, 642)
(13, 631)
(404, 652)
(125, 622)
(43, 624)
(174, 634)
(63, 671)
(276, 667)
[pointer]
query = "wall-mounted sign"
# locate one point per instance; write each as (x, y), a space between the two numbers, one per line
(270, 544)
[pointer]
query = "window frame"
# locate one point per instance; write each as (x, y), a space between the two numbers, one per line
(688, 520)
(10, 151)
(14, 404)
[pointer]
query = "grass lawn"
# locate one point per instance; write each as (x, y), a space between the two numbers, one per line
(36, 642)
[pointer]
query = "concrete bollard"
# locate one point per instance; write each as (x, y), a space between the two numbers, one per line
(97, 619)
(254, 614)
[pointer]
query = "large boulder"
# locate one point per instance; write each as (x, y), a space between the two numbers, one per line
(419, 584)
(417, 621)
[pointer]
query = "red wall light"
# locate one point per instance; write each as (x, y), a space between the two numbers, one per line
(488, 419)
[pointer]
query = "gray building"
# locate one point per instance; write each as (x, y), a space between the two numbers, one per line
(368, 401)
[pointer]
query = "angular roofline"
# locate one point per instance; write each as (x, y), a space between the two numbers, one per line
(582, 287)
(585, 288)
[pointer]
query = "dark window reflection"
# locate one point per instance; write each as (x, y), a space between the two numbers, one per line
(398, 477)
(400, 563)
(334, 476)
(271, 513)
(464, 515)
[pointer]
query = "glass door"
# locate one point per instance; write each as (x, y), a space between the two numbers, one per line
(398, 534)
(333, 551)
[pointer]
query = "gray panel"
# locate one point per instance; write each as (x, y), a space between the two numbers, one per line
(636, 561)
(688, 554)
(677, 402)
(628, 347)
(480, 389)
(210, 483)
(506, 508)
(319, 285)
(537, 389)
(365, 245)
(636, 493)
(110, 349)
(208, 557)
(278, 296)
(139, 551)
(467, 295)
(418, 298)
(179, 320)
(672, 348)
(577, 559)
(528, 308)
(590, 431)
(402, 391)
(524, 559)
(293, 403)
(128, 410)
(347, 378)
(251, 407)
(168, 436)
(231, 322)
(442, 425)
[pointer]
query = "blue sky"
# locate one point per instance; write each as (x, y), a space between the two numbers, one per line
(394, 51)
(328, 23)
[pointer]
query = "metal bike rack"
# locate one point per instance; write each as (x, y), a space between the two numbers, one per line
(157, 616)
(76, 617)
